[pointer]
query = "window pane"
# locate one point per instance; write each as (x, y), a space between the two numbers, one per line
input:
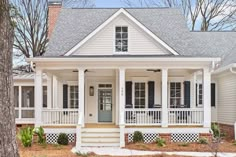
(27, 113)
(44, 96)
(118, 48)
(125, 48)
(124, 42)
(118, 42)
(118, 35)
(28, 96)
(124, 29)
(124, 35)
(16, 96)
(118, 29)
(74, 97)
(16, 113)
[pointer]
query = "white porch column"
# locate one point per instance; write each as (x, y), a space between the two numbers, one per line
(81, 108)
(55, 89)
(164, 122)
(49, 90)
(81, 95)
(207, 97)
(38, 97)
(122, 105)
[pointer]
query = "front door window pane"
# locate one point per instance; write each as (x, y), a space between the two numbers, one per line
(175, 94)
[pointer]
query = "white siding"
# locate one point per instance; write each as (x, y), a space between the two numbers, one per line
(138, 41)
(227, 99)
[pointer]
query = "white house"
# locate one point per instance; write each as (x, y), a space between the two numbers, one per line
(109, 72)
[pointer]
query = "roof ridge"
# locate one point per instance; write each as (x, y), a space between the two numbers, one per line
(100, 8)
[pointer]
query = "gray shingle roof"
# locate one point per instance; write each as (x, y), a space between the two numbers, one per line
(73, 25)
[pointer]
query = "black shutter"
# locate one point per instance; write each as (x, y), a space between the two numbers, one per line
(187, 94)
(213, 94)
(196, 95)
(151, 94)
(128, 94)
(65, 96)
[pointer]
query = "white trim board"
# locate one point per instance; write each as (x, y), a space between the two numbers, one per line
(121, 11)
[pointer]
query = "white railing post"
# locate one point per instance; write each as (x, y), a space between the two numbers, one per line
(20, 102)
(78, 137)
(38, 97)
(122, 105)
(235, 130)
(164, 98)
(207, 97)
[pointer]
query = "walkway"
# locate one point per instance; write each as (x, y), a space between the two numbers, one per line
(116, 151)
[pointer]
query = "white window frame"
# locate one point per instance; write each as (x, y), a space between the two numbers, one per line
(198, 94)
(69, 96)
(114, 44)
(146, 92)
(181, 92)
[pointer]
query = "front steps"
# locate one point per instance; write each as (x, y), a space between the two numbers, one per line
(100, 137)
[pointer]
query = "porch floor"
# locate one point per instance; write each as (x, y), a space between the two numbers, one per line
(101, 125)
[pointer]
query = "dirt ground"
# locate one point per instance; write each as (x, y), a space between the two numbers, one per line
(50, 150)
(225, 146)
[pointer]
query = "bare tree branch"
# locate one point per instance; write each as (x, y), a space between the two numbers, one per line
(204, 15)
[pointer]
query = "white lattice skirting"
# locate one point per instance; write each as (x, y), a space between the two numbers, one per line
(148, 137)
(51, 138)
(184, 137)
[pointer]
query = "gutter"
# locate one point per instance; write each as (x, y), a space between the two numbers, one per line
(82, 59)
(228, 67)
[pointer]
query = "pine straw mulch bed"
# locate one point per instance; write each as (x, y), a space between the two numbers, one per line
(50, 150)
(225, 146)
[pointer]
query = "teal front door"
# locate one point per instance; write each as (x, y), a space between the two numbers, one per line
(104, 105)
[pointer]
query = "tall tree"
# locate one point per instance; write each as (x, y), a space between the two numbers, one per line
(204, 15)
(8, 145)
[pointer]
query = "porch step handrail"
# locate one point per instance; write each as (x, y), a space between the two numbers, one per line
(185, 116)
(60, 116)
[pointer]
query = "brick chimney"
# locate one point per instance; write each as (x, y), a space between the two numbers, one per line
(54, 8)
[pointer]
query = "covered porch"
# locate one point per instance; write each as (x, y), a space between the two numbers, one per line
(125, 92)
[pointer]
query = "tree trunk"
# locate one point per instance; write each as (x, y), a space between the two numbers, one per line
(8, 145)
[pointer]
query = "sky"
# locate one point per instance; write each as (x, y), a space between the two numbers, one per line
(108, 3)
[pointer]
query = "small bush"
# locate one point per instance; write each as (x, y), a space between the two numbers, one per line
(202, 141)
(137, 137)
(216, 130)
(40, 132)
(185, 144)
(160, 142)
(63, 139)
(26, 136)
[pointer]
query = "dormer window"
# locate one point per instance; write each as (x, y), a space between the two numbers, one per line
(121, 44)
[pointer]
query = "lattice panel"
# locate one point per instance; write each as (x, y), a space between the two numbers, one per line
(184, 137)
(148, 137)
(52, 138)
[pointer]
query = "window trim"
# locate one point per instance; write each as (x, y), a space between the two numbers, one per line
(181, 91)
(146, 92)
(69, 92)
(114, 40)
(198, 94)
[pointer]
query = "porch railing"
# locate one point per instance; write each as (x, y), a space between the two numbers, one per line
(186, 116)
(60, 116)
(142, 116)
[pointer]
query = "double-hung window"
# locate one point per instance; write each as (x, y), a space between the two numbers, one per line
(139, 94)
(121, 43)
(200, 94)
(74, 96)
(175, 94)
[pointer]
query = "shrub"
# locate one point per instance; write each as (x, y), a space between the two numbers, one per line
(216, 130)
(137, 137)
(63, 139)
(202, 141)
(160, 142)
(185, 144)
(40, 132)
(26, 136)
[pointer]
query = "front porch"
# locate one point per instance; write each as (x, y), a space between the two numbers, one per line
(141, 97)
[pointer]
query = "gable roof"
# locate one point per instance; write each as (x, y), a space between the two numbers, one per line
(168, 24)
(74, 25)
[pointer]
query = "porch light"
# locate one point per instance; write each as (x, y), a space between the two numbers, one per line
(91, 91)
